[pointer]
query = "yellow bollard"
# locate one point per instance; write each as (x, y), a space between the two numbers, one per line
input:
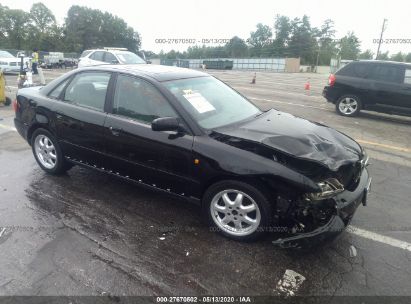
(2, 88)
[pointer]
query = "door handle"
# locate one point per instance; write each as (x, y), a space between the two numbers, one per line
(115, 131)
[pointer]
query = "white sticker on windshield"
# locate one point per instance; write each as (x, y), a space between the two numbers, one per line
(199, 103)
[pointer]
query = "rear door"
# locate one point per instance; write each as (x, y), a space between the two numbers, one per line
(353, 79)
(159, 159)
(80, 116)
(387, 81)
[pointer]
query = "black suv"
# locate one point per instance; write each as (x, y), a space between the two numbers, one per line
(381, 86)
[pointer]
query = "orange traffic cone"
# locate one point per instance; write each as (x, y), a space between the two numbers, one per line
(254, 78)
(307, 85)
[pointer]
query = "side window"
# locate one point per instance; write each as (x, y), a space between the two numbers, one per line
(97, 55)
(346, 70)
(407, 76)
(88, 89)
(85, 53)
(362, 70)
(110, 58)
(387, 73)
(55, 94)
(137, 99)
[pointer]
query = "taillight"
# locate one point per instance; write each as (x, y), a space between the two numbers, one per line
(331, 80)
(15, 105)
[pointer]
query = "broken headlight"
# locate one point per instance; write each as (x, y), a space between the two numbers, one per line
(329, 188)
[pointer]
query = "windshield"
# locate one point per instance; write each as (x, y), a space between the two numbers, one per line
(211, 102)
(4, 54)
(129, 58)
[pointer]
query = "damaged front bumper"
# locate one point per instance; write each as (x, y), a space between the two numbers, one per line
(346, 204)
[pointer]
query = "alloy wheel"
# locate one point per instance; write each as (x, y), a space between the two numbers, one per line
(348, 106)
(45, 151)
(235, 212)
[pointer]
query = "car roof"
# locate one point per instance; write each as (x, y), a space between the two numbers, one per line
(157, 72)
(108, 50)
(384, 62)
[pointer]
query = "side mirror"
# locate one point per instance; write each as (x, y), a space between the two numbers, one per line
(166, 124)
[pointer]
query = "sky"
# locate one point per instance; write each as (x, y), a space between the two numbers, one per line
(223, 19)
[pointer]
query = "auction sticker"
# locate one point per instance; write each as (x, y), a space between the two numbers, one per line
(199, 103)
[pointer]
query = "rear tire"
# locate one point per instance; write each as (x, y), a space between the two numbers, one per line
(237, 210)
(47, 152)
(348, 105)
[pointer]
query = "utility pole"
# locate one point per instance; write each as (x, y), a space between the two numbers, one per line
(318, 57)
(379, 42)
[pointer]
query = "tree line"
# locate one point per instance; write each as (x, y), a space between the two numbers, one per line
(289, 38)
(84, 28)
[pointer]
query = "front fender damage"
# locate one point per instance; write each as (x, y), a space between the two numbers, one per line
(318, 236)
(335, 173)
(320, 222)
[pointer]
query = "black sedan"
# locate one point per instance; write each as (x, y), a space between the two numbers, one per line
(188, 134)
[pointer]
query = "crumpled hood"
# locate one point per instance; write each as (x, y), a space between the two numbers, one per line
(298, 137)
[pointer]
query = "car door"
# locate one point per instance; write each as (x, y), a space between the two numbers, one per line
(387, 84)
(159, 159)
(80, 116)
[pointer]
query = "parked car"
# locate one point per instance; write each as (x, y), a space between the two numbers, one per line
(188, 134)
(9, 63)
(381, 86)
(108, 56)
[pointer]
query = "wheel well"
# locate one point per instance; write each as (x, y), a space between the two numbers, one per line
(33, 128)
(350, 94)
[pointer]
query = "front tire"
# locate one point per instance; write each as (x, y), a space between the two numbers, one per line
(237, 210)
(348, 105)
(47, 152)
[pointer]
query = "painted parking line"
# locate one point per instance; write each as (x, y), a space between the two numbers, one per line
(314, 97)
(379, 238)
(10, 128)
(365, 142)
(289, 103)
